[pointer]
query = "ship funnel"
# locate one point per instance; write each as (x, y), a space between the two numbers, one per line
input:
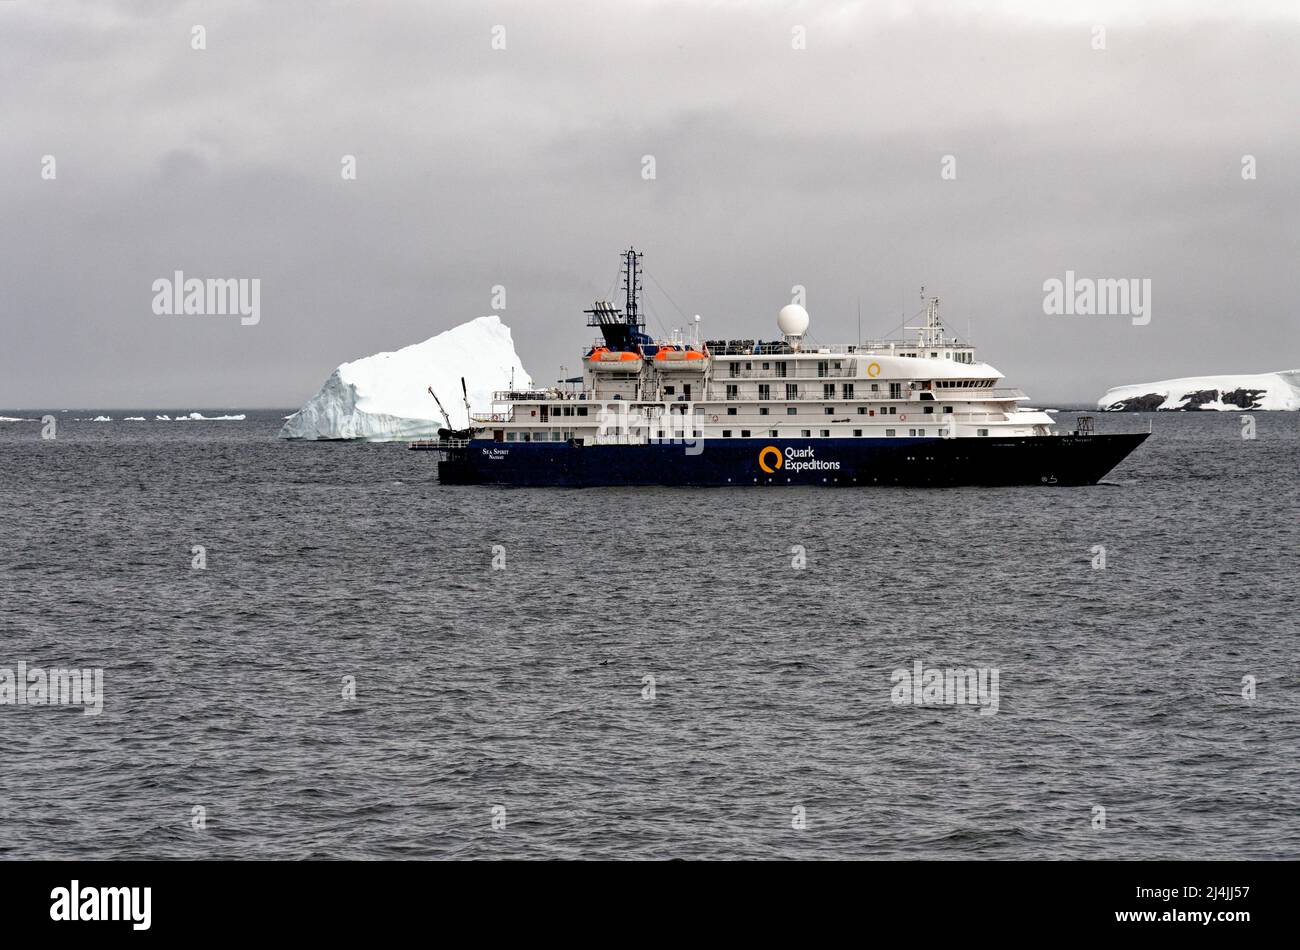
(793, 323)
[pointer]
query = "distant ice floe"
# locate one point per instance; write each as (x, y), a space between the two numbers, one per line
(133, 419)
(162, 418)
(199, 417)
(102, 419)
(16, 419)
(1264, 391)
(385, 397)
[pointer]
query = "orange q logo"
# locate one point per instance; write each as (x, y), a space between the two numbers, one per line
(762, 459)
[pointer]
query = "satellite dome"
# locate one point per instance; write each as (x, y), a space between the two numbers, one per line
(792, 320)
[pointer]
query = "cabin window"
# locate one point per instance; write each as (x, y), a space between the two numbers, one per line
(823, 368)
(875, 387)
(744, 433)
(837, 365)
(826, 433)
(862, 410)
(911, 432)
(772, 433)
(847, 391)
(582, 410)
(735, 370)
(828, 411)
(891, 432)
(726, 433)
(780, 369)
(929, 410)
(523, 437)
(668, 390)
(791, 391)
(893, 410)
(895, 390)
(767, 366)
(762, 410)
(920, 432)
(805, 432)
(764, 391)
(857, 433)
(510, 436)
(947, 408)
(791, 410)
(733, 391)
(828, 391)
(731, 410)
(981, 431)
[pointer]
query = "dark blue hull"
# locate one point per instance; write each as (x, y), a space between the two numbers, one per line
(1027, 460)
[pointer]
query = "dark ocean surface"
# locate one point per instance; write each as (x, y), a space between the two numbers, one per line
(1119, 688)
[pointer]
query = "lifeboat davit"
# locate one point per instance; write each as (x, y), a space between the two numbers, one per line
(604, 360)
(673, 360)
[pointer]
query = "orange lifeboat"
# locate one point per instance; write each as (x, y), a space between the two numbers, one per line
(672, 360)
(604, 360)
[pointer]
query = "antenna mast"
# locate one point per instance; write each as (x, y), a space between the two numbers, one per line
(632, 286)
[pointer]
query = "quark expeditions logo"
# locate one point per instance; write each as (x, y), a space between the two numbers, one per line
(771, 459)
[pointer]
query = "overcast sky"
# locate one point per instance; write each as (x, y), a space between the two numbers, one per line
(523, 167)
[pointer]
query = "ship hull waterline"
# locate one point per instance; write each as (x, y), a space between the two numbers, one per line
(829, 462)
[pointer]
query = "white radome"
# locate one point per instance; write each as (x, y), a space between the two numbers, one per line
(792, 320)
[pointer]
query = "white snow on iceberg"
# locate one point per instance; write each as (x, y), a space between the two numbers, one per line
(1280, 391)
(386, 396)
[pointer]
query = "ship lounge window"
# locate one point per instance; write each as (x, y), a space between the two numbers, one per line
(981, 431)
(731, 410)
(891, 432)
(557, 436)
(510, 436)
(523, 437)
(744, 433)
(726, 433)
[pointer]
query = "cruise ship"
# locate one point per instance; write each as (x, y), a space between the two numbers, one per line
(680, 411)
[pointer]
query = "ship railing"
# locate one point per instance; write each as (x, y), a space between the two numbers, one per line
(433, 445)
(865, 395)
(535, 395)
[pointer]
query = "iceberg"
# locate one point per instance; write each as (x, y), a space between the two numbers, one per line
(199, 417)
(385, 397)
(1265, 391)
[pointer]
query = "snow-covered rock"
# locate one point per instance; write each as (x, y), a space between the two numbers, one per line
(386, 396)
(1279, 390)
